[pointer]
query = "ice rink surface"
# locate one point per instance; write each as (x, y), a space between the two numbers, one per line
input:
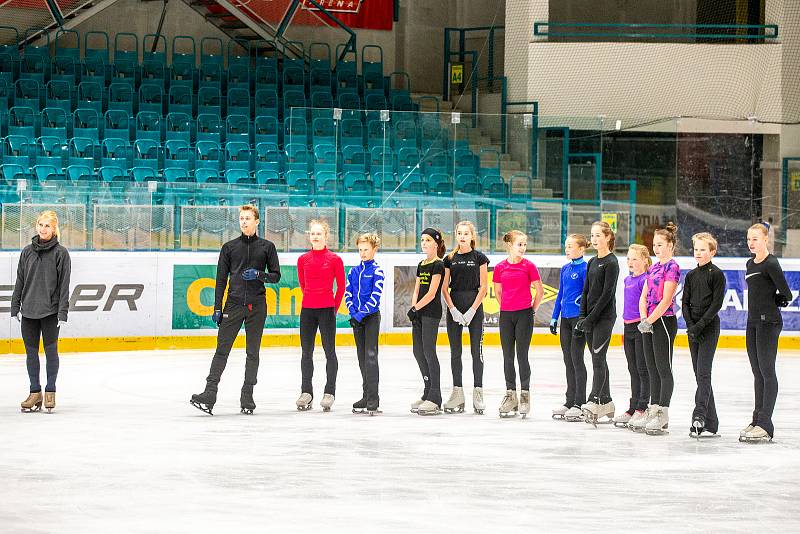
(124, 452)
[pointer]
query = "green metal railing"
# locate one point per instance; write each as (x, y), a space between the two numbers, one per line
(638, 31)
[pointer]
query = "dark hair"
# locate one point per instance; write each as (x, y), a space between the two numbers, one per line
(669, 232)
(436, 235)
(607, 232)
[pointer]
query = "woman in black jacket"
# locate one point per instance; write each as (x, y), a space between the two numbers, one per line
(40, 302)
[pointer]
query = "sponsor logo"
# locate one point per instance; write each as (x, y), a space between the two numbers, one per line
(335, 6)
(90, 297)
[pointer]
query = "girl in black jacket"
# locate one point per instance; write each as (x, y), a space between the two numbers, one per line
(40, 302)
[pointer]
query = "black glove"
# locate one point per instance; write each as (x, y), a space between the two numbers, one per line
(554, 327)
(781, 301)
(695, 333)
(582, 326)
(217, 317)
(354, 323)
(412, 314)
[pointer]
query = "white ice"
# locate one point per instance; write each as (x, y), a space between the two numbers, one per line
(124, 452)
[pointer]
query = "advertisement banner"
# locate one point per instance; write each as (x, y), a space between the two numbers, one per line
(363, 14)
(193, 299)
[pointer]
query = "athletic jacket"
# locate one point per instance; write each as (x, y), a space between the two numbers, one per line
(363, 290)
(237, 256)
(42, 287)
(570, 289)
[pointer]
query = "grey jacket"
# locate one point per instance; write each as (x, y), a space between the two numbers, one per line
(42, 287)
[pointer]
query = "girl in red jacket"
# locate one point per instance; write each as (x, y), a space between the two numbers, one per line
(316, 271)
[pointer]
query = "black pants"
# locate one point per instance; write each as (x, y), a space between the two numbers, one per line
(463, 300)
(47, 328)
(366, 336)
(516, 330)
(323, 319)
(637, 367)
(702, 358)
(423, 333)
(658, 353)
(762, 350)
(572, 345)
(598, 339)
(233, 315)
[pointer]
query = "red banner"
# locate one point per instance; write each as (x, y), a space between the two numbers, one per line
(362, 14)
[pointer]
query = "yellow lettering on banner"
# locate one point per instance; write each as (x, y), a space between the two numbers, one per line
(193, 296)
(272, 300)
(285, 304)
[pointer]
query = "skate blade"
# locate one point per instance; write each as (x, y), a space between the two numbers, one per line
(359, 411)
(620, 425)
(50, 410)
(559, 417)
(743, 439)
(574, 419)
(524, 415)
(414, 410)
(304, 408)
(247, 411)
(660, 432)
(431, 412)
(478, 411)
(374, 412)
(457, 409)
(31, 410)
(508, 415)
(326, 409)
(199, 406)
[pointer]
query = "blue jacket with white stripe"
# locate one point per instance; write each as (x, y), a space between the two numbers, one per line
(363, 290)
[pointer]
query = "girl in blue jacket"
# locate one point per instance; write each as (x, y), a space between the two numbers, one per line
(362, 295)
(573, 342)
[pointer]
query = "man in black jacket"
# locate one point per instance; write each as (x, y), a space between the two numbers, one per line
(245, 265)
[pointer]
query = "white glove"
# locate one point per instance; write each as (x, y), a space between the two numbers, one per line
(18, 317)
(61, 323)
(468, 316)
(457, 316)
(645, 327)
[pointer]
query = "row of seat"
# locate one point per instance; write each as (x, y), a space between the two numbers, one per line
(180, 99)
(239, 155)
(319, 182)
(24, 125)
(249, 66)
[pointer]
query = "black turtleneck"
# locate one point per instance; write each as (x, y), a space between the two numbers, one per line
(703, 293)
(238, 255)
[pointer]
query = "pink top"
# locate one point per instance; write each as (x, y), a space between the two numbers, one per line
(656, 276)
(515, 279)
(316, 271)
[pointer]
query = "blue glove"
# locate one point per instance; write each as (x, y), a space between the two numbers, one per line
(253, 274)
(217, 317)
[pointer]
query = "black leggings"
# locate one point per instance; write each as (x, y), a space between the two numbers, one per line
(572, 345)
(233, 315)
(762, 350)
(702, 358)
(423, 332)
(463, 300)
(658, 353)
(47, 328)
(598, 339)
(323, 319)
(366, 336)
(637, 367)
(516, 330)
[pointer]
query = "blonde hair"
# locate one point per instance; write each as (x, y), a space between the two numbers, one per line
(579, 239)
(471, 227)
(669, 232)
(761, 227)
(708, 238)
(52, 218)
(252, 209)
(323, 223)
(643, 252)
(607, 232)
(511, 236)
(371, 238)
